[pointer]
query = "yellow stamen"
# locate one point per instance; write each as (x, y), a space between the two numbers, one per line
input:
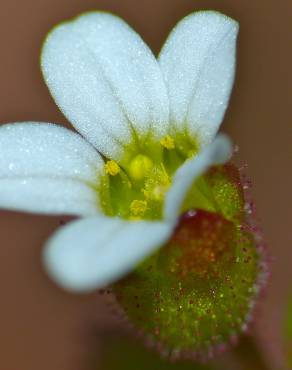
(138, 207)
(140, 166)
(112, 168)
(167, 142)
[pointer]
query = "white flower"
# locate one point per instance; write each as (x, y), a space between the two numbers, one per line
(153, 120)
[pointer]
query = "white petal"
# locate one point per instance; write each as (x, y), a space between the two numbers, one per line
(47, 168)
(93, 252)
(48, 196)
(105, 80)
(218, 152)
(198, 62)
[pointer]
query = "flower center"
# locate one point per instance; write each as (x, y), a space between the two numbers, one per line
(135, 187)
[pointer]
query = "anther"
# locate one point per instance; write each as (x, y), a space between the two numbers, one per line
(138, 207)
(112, 168)
(167, 142)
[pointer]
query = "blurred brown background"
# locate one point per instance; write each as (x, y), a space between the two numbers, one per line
(41, 327)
